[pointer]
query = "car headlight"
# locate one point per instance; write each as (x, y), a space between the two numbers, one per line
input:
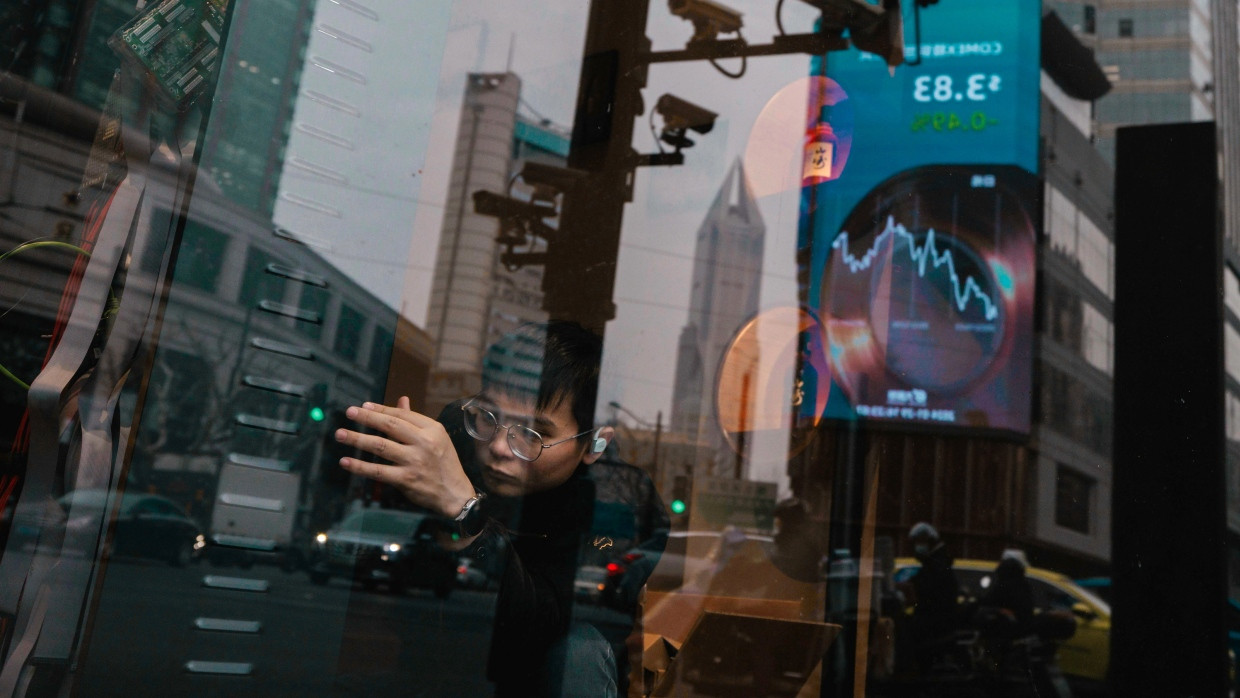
(321, 538)
(392, 547)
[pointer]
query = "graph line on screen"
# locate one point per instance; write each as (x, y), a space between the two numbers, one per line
(927, 253)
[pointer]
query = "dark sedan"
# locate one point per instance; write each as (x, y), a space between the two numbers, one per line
(387, 546)
(146, 525)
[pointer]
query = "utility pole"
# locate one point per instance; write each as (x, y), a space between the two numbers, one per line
(581, 259)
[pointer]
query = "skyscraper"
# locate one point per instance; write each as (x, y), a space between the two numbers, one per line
(261, 68)
(475, 298)
(1158, 56)
(726, 279)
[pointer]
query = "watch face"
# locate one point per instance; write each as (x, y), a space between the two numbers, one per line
(473, 520)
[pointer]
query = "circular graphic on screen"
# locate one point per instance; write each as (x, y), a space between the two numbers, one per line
(774, 376)
(927, 286)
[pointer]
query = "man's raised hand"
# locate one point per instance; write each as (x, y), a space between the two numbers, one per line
(423, 463)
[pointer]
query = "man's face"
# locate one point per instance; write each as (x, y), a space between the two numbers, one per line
(509, 476)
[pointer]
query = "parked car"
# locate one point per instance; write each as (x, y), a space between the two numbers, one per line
(1101, 586)
(589, 584)
(146, 525)
(470, 576)
(385, 546)
(1082, 658)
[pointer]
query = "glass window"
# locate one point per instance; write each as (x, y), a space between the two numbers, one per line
(1231, 348)
(183, 385)
(349, 332)
(1061, 222)
(1137, 107)
(200, 257)
(795, 319)
(1096, 254)
(1073, 234)
(1073, 497)
(1231, 291)
(1074, 409)
(1096, 344)
(381, 349)
(1064, 310)
(1142, 22)
(1233, 417)
(313, 306)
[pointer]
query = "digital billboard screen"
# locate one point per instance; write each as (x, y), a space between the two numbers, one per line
(919, 220)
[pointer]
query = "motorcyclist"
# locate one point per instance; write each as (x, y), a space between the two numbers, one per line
(935, 595)
(1021, 644)
(1010, 593)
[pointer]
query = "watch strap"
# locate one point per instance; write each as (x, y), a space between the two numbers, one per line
(470, 521)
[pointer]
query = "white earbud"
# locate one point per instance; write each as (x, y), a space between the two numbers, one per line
(599, 444)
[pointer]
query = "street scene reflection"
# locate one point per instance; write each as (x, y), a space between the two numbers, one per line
(827, 348)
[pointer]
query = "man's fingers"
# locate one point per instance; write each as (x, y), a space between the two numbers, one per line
(403, 414)
(374, 445)
(388, 423)
(374, 471)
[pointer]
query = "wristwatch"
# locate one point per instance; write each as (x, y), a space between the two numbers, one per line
(471, 520)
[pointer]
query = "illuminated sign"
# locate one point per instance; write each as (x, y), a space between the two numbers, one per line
(923, 247)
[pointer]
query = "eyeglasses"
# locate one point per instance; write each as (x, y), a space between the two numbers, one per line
(524, 442)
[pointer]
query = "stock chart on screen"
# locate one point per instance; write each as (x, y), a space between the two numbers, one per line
(922, 247)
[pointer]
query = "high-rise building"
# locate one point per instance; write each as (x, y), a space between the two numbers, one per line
(260, 71)
(264, 53)
(1070, 477)
(727, 272)
(475, 296)
(1158, 56)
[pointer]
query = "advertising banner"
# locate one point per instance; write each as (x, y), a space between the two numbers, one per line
(919, 215)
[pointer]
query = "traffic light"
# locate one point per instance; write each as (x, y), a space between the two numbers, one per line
(679, 504)
(316, 404)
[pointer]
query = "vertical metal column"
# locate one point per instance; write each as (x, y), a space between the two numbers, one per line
(1168, 633)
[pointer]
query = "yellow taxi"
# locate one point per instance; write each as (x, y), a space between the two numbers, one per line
(1082, 657)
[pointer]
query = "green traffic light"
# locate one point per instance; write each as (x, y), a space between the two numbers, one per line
(678, 506)
(316, 414)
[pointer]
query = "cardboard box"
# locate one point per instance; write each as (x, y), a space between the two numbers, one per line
(760, 646)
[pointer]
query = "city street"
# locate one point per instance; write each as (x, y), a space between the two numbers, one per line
(314, 640)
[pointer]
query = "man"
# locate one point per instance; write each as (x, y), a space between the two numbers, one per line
(1010, 593)
(936, 590)
(534, 449)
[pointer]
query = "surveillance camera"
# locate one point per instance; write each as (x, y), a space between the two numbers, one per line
(679, 115)
(709, 18)
(488, 203)
(561, 179)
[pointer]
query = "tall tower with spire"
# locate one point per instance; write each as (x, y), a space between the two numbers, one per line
(727, 272)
